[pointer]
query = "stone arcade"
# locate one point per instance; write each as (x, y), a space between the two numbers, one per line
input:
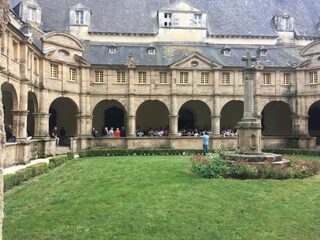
(158, 64)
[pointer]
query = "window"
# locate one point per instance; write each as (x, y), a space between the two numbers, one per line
(29, 60)
(112, 49)
(3, 47)
(167, 20)
(121, 77)
(285, 24)
(225, 79)
(151, 50)
(142, 77)
(197, 19)
(286, 79)
(266, 79)
(15, 46)
(184, 77)
(72, 74)
(32, 14)
(53, 71)
(80, 17)
(204, 78)
(163, 77)
(35, 63)
(313, 77)
(98, 76)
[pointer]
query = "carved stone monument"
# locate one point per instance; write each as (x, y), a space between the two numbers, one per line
(4, 17)
(249, 128)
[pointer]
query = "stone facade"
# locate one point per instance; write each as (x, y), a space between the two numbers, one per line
(178, 77)
(4, 10)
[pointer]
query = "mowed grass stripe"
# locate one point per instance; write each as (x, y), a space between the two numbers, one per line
(157, 197)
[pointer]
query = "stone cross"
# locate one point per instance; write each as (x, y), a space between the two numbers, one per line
(248, 75)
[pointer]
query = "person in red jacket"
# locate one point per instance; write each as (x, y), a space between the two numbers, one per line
(117, 133)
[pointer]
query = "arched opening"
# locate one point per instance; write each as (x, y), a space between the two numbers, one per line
(32, 108)
(152, 116)
(63, 113)
(108, 113)
(194, 115)
(10, 103)
(231, 114)
(276, 119)
(314, 121)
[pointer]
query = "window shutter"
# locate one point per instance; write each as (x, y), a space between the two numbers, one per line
(204, 20)
(291, 24)
(72, 17)
(175, 21)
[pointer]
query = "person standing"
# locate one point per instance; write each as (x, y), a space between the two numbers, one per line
(205, 142)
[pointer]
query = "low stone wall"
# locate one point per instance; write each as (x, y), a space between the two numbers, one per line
(78, 144)
(25, 151)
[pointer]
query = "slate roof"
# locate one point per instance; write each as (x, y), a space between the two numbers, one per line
(168, 54)
(225, 17)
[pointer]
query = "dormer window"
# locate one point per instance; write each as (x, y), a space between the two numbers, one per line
(167, 20)
(80, 17)
(32, 14)
(151, 50)
(30, 11)
(226, 51)
(262, 51)
(284, 22)
(197, 19)
(112, 49)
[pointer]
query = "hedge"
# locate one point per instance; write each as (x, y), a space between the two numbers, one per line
(293, 151)
(25, 174)
(139, 152)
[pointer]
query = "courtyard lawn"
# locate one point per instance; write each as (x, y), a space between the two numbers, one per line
(158, 198)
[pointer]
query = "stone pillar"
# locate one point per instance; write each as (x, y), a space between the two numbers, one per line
(22, 124)
(42, 127)
(300, 125)
(173, 117)
(215, 118)
(249, 128)
(131, 117)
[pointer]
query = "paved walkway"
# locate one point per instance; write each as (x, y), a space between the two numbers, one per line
(13, 169)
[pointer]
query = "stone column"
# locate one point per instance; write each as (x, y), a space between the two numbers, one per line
(42, 127)
(300, 125)
(173, 117)
(131, 117)
(215, 118)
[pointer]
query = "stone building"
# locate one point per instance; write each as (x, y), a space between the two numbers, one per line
(157, 64)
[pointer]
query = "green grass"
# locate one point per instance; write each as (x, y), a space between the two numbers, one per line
(158, 198)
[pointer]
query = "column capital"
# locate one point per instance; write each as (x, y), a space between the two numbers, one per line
(19, 112)
(41, 115)
(84, 116)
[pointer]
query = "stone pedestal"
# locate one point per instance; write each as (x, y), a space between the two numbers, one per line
(249, 136)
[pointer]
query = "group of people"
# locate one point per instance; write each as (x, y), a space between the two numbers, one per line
(151, 132)
(228, 132)
(109, 132)
(191, 132)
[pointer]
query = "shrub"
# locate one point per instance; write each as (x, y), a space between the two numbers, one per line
(243, 170)
(24, 174)
(9, 181)
(38, 169)
(210, 166)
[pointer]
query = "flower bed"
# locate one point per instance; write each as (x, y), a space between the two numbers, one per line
(212, 166)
